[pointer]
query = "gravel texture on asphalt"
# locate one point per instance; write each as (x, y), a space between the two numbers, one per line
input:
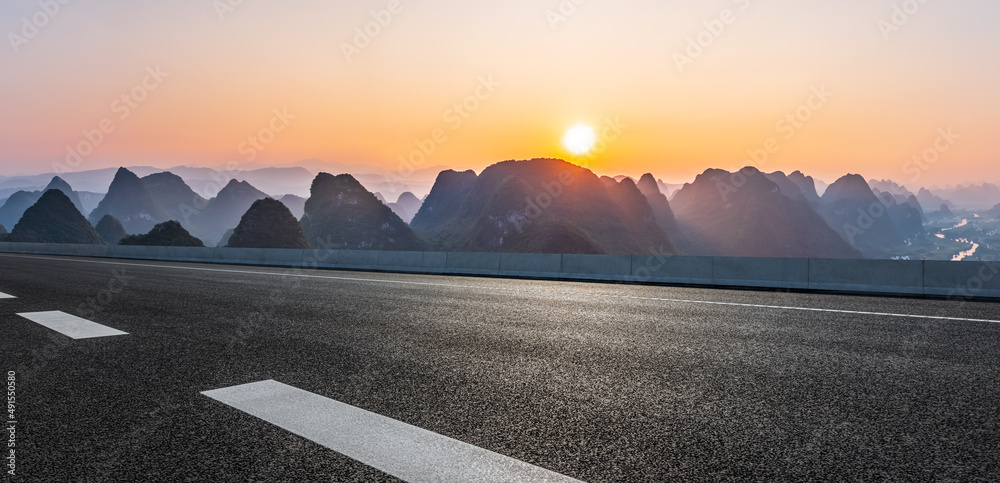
(600, 382)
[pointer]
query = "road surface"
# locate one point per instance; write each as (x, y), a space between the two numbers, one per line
(586, 381)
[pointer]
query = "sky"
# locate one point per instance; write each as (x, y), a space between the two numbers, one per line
(672, 87)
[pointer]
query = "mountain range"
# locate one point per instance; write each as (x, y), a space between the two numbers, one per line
(222, 212)
(14, 207)
(753, 214)
(971, 197)
(534, 206)
(853, 210)
(539, 206)
(292, 178)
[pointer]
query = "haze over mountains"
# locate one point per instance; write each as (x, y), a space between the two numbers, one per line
(14, 207)
(749, 214)
(276, 180)
(534, 206)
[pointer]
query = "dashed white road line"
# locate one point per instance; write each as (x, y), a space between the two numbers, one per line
(394, 447)
(5, 296)
(512, 289)
(71, 325)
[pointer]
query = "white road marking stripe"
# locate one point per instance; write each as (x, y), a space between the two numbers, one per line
(394, 447)
(5, 296)
(506, 289)
(71, 325)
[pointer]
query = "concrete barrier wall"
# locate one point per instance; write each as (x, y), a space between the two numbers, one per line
(894, 276)
(936, 278)
(530, 265)
(962, 279)
(792, 273)
(473, 263)
(597, 267)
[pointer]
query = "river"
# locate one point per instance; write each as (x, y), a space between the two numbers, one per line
(967, 253)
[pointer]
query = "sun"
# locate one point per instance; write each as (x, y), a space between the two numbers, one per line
(580, 139)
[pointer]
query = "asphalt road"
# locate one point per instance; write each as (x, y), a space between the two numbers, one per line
(599, 382)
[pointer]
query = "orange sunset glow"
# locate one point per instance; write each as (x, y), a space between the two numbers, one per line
(690, 85)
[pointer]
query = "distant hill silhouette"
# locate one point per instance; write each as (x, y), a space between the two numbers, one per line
(224, 211)
(14, 207)
(450, 188)
(539, 206)
(915, 204)
(58, 183)
(295, 204)
(167, 234)
(898, 191)
(406, 206)
(268, 224)
(931, 202)
(130, 202)
(90, 201)
(993, 212)
(909, 219)
(176, 200)
(972, 197)
(608, 181)
(851, 208)
(747, 214)
(942, 215)
(54, 219)
(807, 185)
(342, 214)
(111, 230)
(668, 189)
(225, 238)
(662, 211)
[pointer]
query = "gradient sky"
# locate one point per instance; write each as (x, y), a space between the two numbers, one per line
(608, 60)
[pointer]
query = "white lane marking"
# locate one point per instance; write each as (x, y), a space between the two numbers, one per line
(71, 325)
(5, 296)
(394, 447)
(506, 289)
